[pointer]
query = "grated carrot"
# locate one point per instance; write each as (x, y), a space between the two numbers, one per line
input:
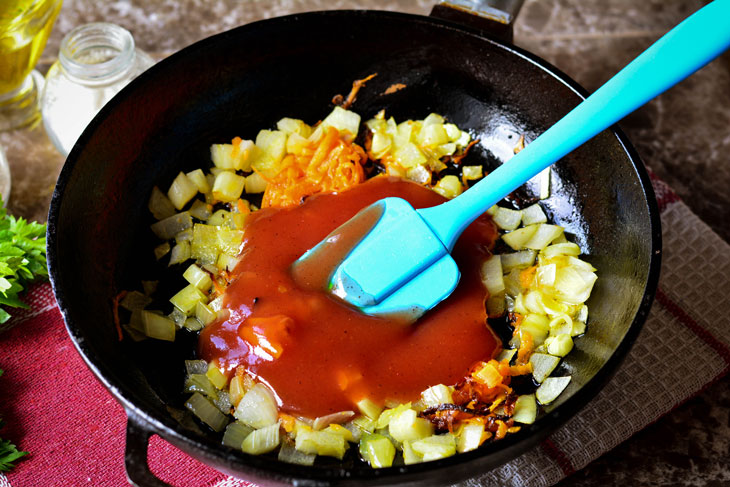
(115, 313)
(528, 276)
(335, 165)
(356, 85)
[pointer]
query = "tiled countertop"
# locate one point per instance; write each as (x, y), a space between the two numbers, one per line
(683, 137)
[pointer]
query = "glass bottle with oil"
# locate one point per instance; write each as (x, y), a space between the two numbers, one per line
(24, 29)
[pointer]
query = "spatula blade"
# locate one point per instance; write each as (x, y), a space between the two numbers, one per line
(398, 248)
(423, 292)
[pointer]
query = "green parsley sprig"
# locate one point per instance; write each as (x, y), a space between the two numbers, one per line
(8, 452)
(22, 258)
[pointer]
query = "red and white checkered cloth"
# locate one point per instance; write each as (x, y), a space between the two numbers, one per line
(75, 430)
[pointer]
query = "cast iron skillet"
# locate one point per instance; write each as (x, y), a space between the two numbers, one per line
(238, 82)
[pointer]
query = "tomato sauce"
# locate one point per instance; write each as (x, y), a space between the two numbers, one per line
(317, 354)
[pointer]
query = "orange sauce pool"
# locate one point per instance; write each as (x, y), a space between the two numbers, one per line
(320, 356)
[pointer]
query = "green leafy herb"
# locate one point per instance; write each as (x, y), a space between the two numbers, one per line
(22, 258)
(8, 452)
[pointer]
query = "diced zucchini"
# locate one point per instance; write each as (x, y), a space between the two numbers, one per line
(205, 314)
(171, 226)
(556, 249)
(551, 388)
(488, 375)
(178, 317)
(470, 437)
(364, 423)
(296, 144)
(255, 183)
(436, 395)
(220, 217)
(321, 443)
(199, 382)
(200, 210)
(223, 402)
(197, 177)
(432, 134)
(233, 156)
(452, 131)
(193, 324)
(543, 365)
(184, 236)
(491, 273)
(294, 126)
(289, 454)
(160, 205)
(216, 377)
(180, 253)
(196, 366)
(229, 240)
(343, 120)
(435, 447)
(369, 408)
(409, 455)
(518, 260)
(181, 191)
(381, 144)
(235, 433)
(407, 426)
(471, 173)
(262, 440)
(158, 326)
(533, 214)
(206, 412)
(409, 155)
(134, 300)
(517, 239)
(388, 414)
(377, 450)
(226, 261)
(198, 277)
(257, 408)
(449, 187)
(506, 355)
(272, 148)
(338, 429)
(543, 236)
(507, 219)
(187, 298)
(204, 246)
(419, 174)
(228, 186)
(525, 410)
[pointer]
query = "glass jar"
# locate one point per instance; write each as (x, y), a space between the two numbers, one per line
(94, 63)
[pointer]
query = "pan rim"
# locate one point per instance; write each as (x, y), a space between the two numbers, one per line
(262, 468)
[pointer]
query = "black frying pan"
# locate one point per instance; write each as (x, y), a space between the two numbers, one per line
(238, 82)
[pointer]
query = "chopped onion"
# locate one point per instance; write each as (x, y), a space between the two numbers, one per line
(207, 412)
(551, 388)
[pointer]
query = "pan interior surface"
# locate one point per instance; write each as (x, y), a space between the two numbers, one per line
(239, 82)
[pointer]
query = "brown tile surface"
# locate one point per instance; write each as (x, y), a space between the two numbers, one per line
(683, 136)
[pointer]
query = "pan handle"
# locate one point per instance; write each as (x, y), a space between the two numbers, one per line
(135, 454)
(494, 17)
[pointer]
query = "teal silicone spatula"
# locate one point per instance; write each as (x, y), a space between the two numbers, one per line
(402, 265)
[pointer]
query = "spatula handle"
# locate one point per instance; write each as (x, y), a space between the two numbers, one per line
(693, 43)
